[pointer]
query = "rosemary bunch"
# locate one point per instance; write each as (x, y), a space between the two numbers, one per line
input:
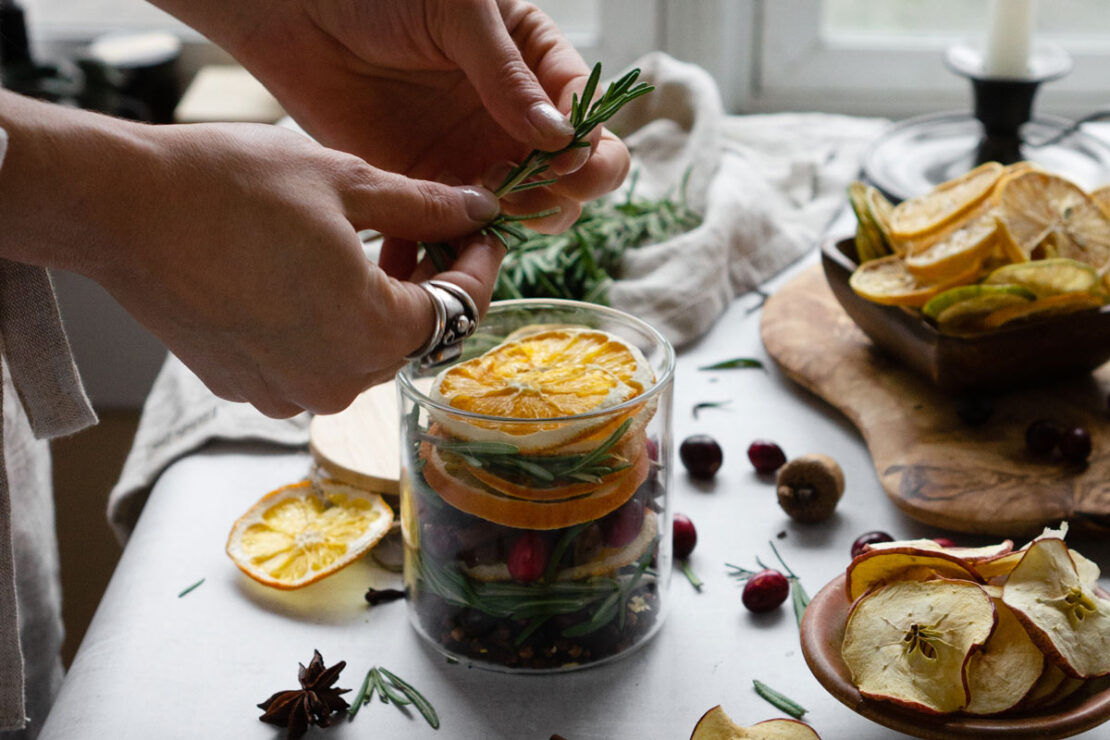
(580, 263)
(586, 114)
(505, 460)
(604, 597)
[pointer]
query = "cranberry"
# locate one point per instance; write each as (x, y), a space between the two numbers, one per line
(975, 410)
(865, 540)
(528, 558)
(1075, 445)
(621, 527)
(685, 536)
(651, 447)
(945, 542)
(766, 457)
(765, 590)
(1042, 436)
(701, 455)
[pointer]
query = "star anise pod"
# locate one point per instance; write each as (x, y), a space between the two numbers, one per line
(313, 703)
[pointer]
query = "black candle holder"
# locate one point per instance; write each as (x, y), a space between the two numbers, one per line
(915, 155)
(1003, 105)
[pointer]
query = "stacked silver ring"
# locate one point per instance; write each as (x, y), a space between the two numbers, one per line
(456, 319)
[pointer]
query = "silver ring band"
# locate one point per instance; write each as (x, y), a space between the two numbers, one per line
(456, 319)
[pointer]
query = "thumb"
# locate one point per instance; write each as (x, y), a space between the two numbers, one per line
(483, 48)
(417, 210)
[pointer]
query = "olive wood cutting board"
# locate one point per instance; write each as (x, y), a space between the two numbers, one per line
(935, 467)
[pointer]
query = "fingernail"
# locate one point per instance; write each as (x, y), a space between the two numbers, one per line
(481, 204)
(572, 161)
(549, 121)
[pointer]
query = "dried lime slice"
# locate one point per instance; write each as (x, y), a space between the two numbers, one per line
(1047, 277)
(987, 298)
(871, 241)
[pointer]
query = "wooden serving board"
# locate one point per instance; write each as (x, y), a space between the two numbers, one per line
(933, 466)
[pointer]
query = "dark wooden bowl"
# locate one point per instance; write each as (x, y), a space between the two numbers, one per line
(1013, 356)
(823, 632)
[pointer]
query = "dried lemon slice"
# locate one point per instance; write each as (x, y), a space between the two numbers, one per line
(1047, 277)
(887, 281)
(1102, 198)
(550, 374)
(303, 532)
(944, 203)
(1044, 216)
(956, 252)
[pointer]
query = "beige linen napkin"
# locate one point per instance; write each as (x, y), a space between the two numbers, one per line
(767, 185)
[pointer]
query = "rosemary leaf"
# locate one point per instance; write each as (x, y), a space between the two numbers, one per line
(188, 589)
(691, 576)
(780, 701)
(422, 705)
(362, 697)
(736, 362)
(708, 405)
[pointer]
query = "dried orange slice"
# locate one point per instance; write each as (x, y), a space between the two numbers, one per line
(887, 281)
(952, 255)
(1044, 216)
(551, 374)
(944, 203)
(303, 532)
(454, 484)
(1042, 307)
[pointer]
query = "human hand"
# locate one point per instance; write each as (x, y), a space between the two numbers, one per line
(237, 246)
(451, 90)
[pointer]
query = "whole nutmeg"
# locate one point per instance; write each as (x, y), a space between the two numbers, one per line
(809, 487)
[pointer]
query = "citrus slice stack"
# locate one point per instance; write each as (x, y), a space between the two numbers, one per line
(943, 204)
(305, 531)
(888, 281)
(541, 395)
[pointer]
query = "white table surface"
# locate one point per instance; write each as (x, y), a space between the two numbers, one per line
(153, 665)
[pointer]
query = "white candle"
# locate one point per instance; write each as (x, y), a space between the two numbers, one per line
(1009, 38)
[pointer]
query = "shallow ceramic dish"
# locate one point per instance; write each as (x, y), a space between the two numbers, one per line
(1013, 356)
(823, 632)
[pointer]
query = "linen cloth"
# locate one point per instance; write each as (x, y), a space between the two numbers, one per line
(767, 186)
(48, 401)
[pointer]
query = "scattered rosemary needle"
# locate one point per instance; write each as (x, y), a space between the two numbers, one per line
(391, 688)
(708, 405)
(187, 589)
(798, 596)
(734, 363)
(780, 701)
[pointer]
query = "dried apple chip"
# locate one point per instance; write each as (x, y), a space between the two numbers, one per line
(878, 566)
(909, 642)
(1063, 615)
(717, 725)
(1001, 674)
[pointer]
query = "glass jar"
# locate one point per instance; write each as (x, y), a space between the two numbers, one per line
(536, 544)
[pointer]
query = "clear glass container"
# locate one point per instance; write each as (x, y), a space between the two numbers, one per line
(537, 544)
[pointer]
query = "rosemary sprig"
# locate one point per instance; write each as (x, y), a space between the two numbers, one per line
(734, 363)
(780, 701)
(798, 597)
(582, 262)
(586, 114)
(505, 460)
(392, 688)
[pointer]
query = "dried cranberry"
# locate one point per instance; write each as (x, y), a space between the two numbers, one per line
(765, 590)
(651, 447)
(621, 526)
(865, 540)
(1042, 436)
(528, 558)
(685, 536)
(1075, 445)
(945, 542)
(766, 457)
(701, 455)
